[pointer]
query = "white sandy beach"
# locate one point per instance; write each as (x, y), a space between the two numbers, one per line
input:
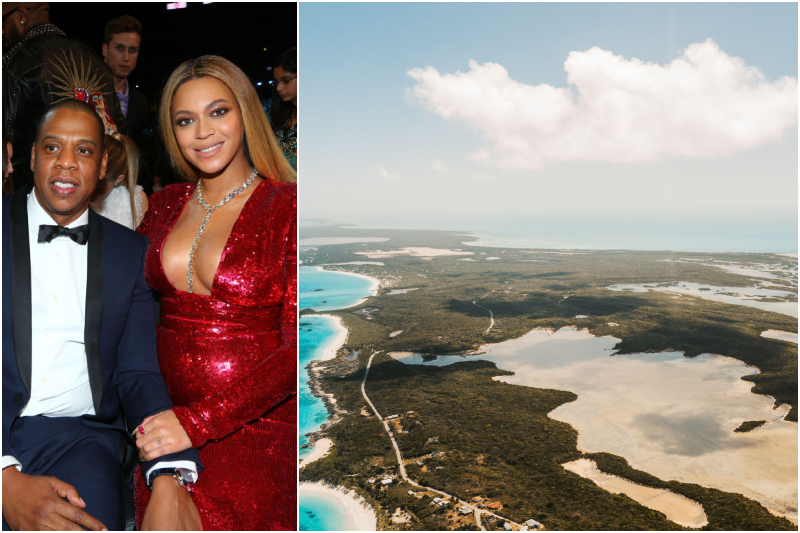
(320, 450)
(361, 514)
(337, 342)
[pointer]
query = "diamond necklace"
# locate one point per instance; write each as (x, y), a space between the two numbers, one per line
(210, 209)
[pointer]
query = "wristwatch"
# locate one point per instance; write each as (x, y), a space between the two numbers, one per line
(186, 478)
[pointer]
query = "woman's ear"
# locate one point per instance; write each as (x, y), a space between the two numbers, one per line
(119, 179)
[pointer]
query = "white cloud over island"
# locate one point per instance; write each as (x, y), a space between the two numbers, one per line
(704, 103)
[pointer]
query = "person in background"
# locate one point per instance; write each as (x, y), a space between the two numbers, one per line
(121, 43)
(283, 110)
(118, 197)
(8, 169)
(51, 67)
(223, 255)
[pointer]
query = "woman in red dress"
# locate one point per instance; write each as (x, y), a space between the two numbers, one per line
(223, 255)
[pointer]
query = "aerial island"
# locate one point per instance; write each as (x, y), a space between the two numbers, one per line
(527, 389)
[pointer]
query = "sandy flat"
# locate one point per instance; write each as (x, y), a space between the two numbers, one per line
(361, 514)
(323, 241)
(414, 252)
(318, 451)
(378, 263)
(677, 508)
(747, 296)
(780, 335)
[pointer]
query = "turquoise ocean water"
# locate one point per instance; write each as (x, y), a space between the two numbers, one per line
(321, 512)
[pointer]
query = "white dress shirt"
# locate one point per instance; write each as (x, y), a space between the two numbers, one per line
(60, 373)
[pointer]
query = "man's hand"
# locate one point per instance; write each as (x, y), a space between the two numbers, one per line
(170, 508)
(163, 435)
(37, 503)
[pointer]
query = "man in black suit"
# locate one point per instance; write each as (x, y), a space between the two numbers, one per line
(79, 347)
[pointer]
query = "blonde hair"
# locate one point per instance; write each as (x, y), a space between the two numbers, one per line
(260, 147)
(123, 158)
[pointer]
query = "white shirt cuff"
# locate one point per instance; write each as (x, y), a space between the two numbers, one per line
(190, 465)
(10, 460)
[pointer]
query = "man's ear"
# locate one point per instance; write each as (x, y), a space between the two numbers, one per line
(103, 164)
(105, 52)
(33, 156)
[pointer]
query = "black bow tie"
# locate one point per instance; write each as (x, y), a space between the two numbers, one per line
(79, 234)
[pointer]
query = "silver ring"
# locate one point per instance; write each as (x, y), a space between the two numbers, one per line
(158, 442)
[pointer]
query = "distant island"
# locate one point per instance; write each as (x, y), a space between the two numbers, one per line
(434, 433)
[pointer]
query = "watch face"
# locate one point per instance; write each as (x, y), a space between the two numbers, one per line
(186, 475)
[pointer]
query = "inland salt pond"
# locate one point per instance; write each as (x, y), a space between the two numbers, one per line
(325, 508)
(671, 416)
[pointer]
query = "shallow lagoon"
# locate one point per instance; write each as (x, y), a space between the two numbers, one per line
(668, 415)
(747, 296)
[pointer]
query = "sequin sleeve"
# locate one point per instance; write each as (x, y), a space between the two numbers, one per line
(275, 378)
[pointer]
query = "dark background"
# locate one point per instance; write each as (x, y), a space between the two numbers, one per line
(252, 35)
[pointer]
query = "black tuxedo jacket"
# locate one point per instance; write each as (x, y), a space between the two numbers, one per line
(137, 117)
(119, 336)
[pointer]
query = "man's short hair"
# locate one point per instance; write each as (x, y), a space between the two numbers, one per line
(123, 24)
(75, 105)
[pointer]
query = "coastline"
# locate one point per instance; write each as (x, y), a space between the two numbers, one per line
(375, 284)
(321, 449)
(360, 513)
(337, 342)
(316, 440)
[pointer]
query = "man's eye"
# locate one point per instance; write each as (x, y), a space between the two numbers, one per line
(50, 147)
(84, 151)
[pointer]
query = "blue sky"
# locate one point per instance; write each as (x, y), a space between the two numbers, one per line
(378, 144)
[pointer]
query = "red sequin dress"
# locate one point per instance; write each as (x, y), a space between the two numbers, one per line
(229, 360)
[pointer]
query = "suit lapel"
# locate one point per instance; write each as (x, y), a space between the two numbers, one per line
(94, 307)
(21, 284)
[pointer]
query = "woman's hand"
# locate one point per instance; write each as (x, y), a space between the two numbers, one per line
(163, 434)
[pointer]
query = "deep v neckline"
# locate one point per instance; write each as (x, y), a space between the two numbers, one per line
(239, 220)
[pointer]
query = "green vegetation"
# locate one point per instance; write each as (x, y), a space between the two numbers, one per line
(750, 425)
(497, 438)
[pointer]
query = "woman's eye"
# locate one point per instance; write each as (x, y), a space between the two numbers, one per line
(219, 112)
(182, 121)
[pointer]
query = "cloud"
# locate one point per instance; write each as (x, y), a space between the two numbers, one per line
(439, 166)
(380, 171)
(703, 103)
